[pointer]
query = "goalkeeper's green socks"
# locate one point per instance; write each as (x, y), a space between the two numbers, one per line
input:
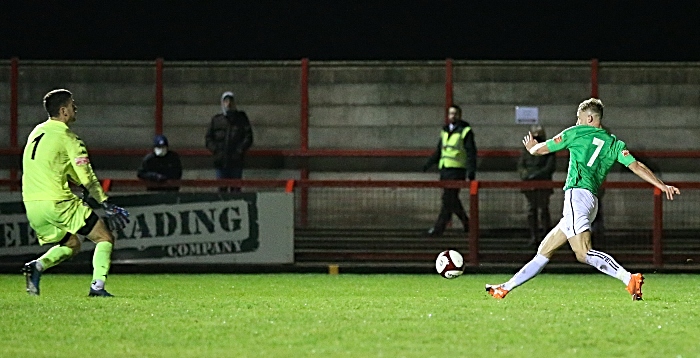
(53, 257)
(101, 260)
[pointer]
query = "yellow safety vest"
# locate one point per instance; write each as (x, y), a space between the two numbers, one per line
(453, 153)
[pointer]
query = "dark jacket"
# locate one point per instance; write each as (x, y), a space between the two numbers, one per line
(228, 138)
(469, 147)
(531, 167)
(160, 169)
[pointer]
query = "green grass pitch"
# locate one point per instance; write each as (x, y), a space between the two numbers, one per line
(314, 315)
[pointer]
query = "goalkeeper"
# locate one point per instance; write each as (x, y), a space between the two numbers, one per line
(52, 156)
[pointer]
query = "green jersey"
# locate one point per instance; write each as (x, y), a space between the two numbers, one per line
(592, 152)
(53, 155)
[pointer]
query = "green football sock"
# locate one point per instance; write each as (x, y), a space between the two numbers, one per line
(101, 260)
(55, 256)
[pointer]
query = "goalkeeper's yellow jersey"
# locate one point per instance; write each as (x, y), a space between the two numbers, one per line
(53, 156)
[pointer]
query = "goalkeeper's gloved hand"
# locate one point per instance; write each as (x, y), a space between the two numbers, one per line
(117, 217)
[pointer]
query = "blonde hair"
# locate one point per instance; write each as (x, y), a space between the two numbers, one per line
(592, 104)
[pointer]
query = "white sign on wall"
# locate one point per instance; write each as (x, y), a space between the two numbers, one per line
(526, 115)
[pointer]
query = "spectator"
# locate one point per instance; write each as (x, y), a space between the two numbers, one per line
(456, 159)
(228, 139)
(161, 165)
(533, 167)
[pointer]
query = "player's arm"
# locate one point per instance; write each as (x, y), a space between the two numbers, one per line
(533, 146)
(645, 173)
(77, 153)
(80, 163)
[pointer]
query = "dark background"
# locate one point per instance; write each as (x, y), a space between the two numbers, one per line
(351, 30)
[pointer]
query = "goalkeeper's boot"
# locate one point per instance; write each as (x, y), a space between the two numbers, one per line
(33, 275)
(635, 286)
(99, 293)
(496, 291)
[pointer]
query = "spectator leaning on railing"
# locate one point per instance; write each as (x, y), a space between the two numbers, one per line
(228, 139)
(161, 165)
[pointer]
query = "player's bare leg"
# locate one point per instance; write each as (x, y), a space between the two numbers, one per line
(553, 241)
(581, 244)
(57, 254)
(101, 259)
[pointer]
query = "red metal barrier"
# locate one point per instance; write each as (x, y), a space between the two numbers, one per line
(304, 115)
(658, 228)
(14, 112)
(594, 78)
(14, 100)
(159, 96)
(449, 86)
(474, 224)
(652, 254)
(370, 153)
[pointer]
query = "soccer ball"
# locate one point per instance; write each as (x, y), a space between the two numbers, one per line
(449, 264)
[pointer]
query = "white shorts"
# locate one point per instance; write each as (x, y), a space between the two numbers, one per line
(580, 209)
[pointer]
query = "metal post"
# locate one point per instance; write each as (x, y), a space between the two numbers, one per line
(657, 236)
(304, 127)
(594, 78)
(14, 115)
(159, 96)
(304, 141)
(474, 223)
(449, 86)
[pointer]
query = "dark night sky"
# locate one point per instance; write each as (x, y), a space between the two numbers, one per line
(351, 30)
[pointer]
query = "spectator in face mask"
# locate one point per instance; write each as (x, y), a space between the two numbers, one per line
(532, 167)
(161, 165)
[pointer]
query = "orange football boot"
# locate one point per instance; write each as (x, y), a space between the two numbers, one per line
(635, 286)
(497, 291)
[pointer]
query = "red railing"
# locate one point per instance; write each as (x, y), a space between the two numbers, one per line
(474, 189)
(158, 118)
(449, 86)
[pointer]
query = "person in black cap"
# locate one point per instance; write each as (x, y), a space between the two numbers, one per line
(228, 139)
(161, 165)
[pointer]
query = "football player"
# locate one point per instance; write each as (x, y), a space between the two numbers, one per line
(52, 156)
(592, 152)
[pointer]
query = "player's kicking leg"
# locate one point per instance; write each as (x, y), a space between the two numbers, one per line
(581, 244)
(101, 259)
(554, 240)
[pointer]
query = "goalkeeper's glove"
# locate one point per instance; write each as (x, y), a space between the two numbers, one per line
(117, 217)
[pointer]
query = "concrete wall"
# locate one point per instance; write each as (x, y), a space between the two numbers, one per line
(653, 106)
(268, 93)
(115, 101)
(362, 105)
(376, 105)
